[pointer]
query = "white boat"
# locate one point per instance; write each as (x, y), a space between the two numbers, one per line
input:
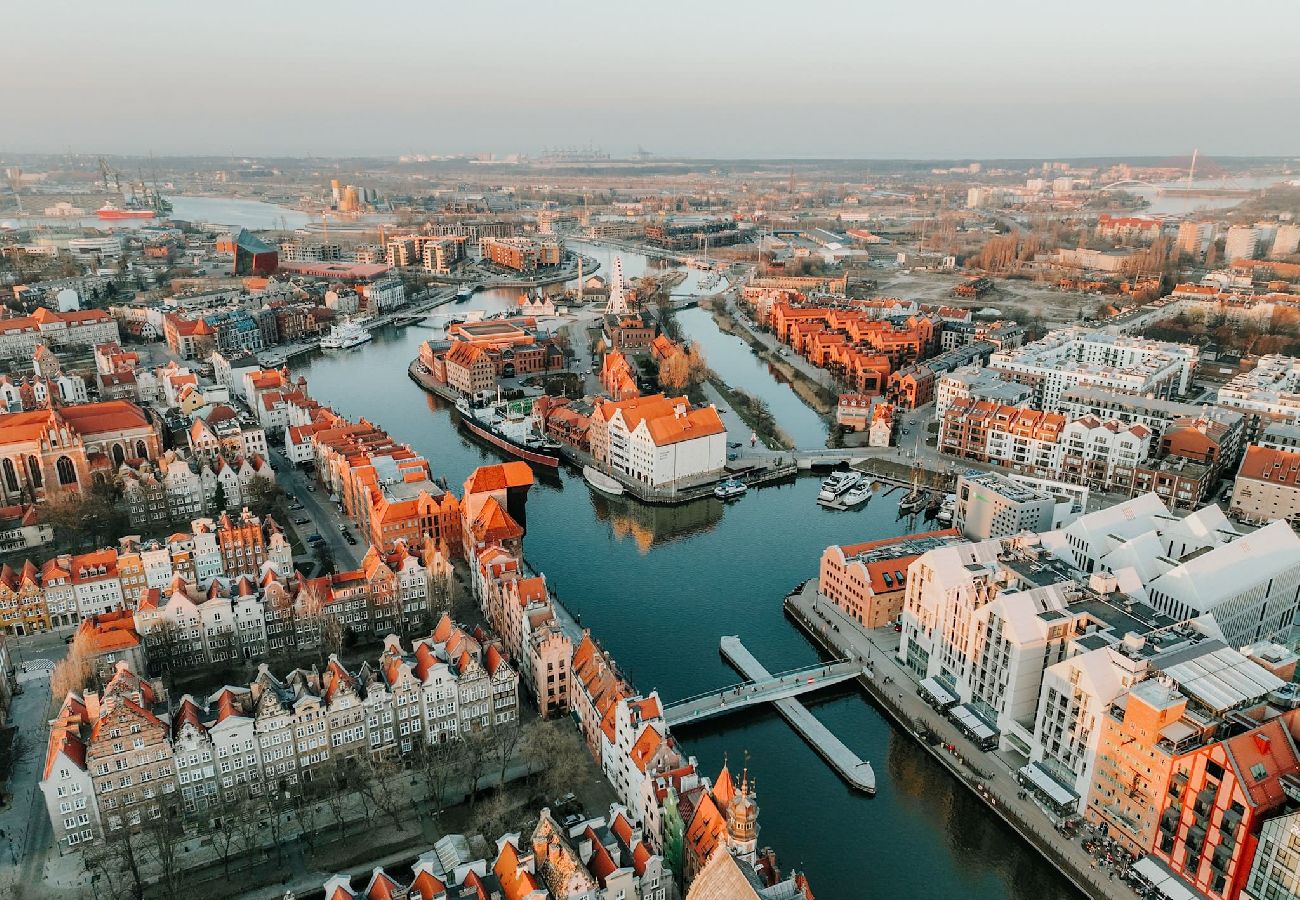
(345, 336)
(839, 483)
(602, 482)
(858, 495)
(947, 510)
(729, 489)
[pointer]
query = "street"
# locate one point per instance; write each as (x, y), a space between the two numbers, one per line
(323, 514)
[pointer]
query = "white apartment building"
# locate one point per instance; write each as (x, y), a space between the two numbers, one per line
(1094, 452)
(1267, 394)
(990, 505)
(1074, 356)
(1242, 242)
(1286, 242)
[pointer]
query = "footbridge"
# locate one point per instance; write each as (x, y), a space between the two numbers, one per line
(763, 690)
(780, 691)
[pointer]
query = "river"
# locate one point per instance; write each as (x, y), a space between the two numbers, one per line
(659, 587)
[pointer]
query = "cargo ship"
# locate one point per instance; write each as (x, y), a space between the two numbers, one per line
(109, 211)
(512, 427)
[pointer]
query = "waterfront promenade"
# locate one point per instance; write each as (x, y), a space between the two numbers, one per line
(988, 775)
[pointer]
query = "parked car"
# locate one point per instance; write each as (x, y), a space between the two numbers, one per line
(350, 539)
(315, 538)
(301, 521)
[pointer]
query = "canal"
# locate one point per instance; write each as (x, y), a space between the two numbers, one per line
(659, 587)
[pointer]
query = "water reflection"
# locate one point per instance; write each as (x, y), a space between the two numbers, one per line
(652, 526)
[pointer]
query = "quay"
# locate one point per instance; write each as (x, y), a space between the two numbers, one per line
(831, 629)
(778, 687)
(844, 761)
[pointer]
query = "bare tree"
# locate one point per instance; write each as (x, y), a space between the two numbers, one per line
(477, 755)
(493, 816)
(384, 788)
(556, 748)
(15, 749)
(228, 834)
(163, 835)
(306, 811)
(331, 635)
(337, 779)
(119, 860)
(440, 765)
(506, 738)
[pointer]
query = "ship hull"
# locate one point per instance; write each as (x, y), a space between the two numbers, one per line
(536, 457)
(125, 214)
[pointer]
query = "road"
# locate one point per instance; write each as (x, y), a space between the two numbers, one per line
(26, 827)
(324, 515)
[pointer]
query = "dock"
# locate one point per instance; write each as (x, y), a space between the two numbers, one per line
(844, 761)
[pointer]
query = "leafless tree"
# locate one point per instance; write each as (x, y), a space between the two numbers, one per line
(339, 792)
(163, 835)
(506, 738)
(331, 635)
(119, 860)
(439, 764)
(554, 747)
(15, 749)
(383, 785)
(477, 755)
(306, 810)
(234, 829)
(493, 815)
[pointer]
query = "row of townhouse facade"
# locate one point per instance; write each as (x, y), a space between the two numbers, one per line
(114, 759)
(68, 588)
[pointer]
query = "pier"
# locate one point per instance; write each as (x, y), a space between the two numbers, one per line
(844, 761)
(777, 687)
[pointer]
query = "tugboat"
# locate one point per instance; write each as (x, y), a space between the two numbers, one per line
(512, 427)
(465, 293)
(730, 489)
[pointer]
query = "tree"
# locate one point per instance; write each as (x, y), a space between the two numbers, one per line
(72, 673)
(306, 810)
(15, 749)
(674, 372)
(477, 754)
(383, 788)
(697, 366)
(80, 518)
(331, 635)
(164, 834)
(440, 765)
(229, 832)
(493, 816)
(119, 859)
(506, 737)
(554, 748)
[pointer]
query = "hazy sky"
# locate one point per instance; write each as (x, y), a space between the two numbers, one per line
(928, 78)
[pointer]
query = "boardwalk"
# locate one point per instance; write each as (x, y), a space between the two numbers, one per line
(856, 772)
(777, 687)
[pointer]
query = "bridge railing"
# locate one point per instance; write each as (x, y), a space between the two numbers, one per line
(773, 680)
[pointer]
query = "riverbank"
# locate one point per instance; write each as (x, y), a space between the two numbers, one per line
(818, 396)
(893, 688)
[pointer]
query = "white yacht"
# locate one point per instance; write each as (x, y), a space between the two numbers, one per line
(345, 336)
(838, 483)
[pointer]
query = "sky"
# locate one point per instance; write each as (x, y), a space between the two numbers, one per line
(709, 78)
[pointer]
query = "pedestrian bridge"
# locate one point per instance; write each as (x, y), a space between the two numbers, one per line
(762, 690)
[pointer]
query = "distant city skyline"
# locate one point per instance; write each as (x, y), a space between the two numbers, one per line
(726, 80)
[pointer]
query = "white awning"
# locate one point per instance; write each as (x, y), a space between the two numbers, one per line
(971, 722)
(939, 691)
(1057, 792)
(1163, 880)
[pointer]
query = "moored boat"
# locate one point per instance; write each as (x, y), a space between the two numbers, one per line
(730, 489)
(109, 211)
(602, 482)
(839, 483)
(510, 428)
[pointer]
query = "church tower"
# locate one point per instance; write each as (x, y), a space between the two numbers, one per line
(742, 821)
